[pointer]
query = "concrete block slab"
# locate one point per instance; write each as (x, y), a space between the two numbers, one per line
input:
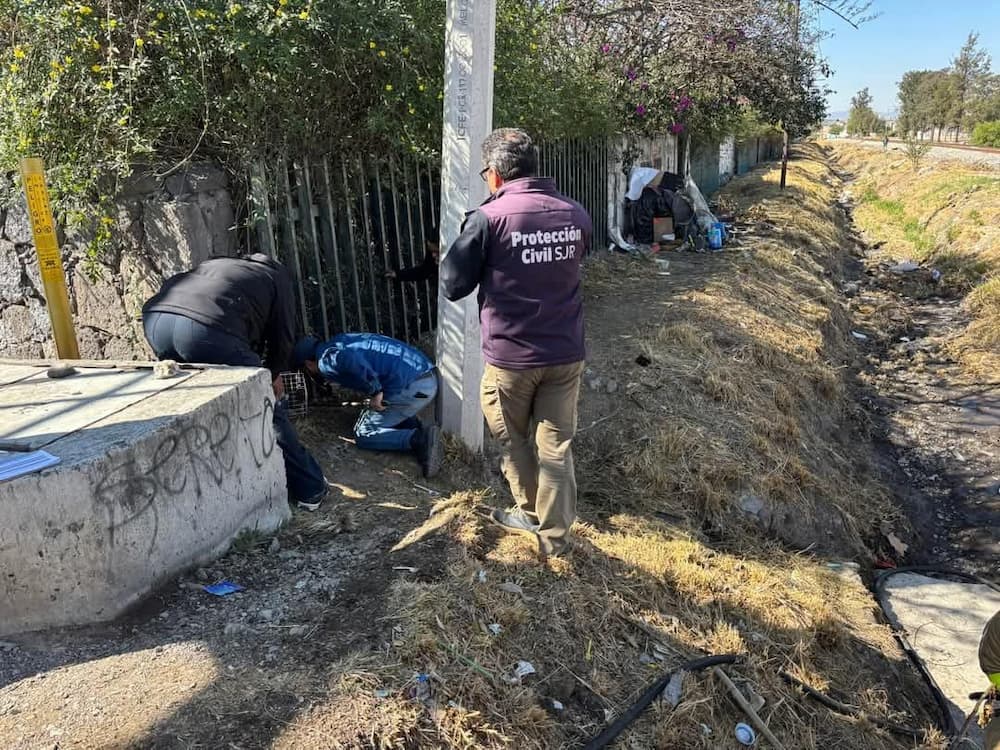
(944, 622)
(144, 491)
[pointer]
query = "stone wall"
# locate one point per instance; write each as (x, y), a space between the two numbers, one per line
(162, 227)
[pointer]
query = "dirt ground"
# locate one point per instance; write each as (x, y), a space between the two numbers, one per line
(725, 477)
(938, 419)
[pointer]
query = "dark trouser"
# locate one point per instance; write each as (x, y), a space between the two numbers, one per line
(175, 337)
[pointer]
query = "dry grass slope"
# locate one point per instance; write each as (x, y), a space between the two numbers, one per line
(741, 394)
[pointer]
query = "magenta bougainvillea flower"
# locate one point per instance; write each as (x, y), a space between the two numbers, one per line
(631, 74)
(605, 48)
(676, 128)
(640, 110)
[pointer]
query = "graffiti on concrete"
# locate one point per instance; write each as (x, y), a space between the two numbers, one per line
(184, 460)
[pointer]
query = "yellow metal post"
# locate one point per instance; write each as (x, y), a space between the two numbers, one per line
(49, 259)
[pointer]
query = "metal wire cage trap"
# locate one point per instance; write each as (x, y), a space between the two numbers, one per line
(296, 392)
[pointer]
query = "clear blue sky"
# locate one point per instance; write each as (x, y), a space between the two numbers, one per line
(908, 35)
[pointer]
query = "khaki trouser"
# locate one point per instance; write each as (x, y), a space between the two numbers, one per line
(532, 414)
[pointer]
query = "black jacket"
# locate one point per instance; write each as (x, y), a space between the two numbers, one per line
(426, 271)
(249, 297)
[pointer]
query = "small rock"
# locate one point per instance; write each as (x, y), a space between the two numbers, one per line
(275, 546)
(297, 631)
(611, 386)
(235, 628)
(266, 615)
(201, 574)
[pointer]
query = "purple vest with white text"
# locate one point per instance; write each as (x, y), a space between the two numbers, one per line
(530, 300)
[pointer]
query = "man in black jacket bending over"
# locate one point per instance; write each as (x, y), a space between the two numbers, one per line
(237, 311)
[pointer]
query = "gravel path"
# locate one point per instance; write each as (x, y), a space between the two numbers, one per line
(980, 159)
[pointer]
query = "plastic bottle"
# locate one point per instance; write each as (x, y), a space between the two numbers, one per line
(715, 236)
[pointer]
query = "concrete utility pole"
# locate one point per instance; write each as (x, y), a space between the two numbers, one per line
(468, 119)
(784, 126)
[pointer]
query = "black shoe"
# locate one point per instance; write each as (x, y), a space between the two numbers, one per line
(427, 446)
(315, 501)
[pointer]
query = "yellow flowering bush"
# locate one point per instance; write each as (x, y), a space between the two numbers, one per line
(96, 87)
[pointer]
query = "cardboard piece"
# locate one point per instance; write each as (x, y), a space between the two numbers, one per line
(663, 228)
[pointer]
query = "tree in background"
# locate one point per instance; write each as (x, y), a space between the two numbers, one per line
(953, 98)
(971, 73)
(862, 118)
(836, 128)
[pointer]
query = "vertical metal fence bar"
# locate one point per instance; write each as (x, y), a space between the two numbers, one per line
(308, 222)
(385, 250)
(334, 245)
(399, 246)
(369, 250)
(353, 247)
(431, 294)
(412, 237)
(264, 222)
(293, 245)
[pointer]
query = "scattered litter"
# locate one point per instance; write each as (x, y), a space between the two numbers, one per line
(481, 576)
(907, 266)
(495, 628)
(897, 544)
(959, 457)
(859, 336)
(672, 692)
(706, 730)
(745, 734)
(274, 546)
(421, 691)
(647, 659)
(609, 715)
(935, 275)
(382, 693)
(524, 668)
(521, 670)
(756, 701)
(223, 588)
(406, 568)
(557, 705)
(512, 588)
(905, 339)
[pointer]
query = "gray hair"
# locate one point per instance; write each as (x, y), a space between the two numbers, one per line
(511, 153)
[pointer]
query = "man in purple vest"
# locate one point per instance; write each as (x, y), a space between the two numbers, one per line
(523, 247)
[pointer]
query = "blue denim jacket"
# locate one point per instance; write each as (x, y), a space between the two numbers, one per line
(370, 363)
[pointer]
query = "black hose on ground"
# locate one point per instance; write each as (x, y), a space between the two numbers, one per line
(621, 723)
(842, 708)
(946, 722)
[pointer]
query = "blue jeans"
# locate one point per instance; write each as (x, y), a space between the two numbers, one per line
(393, 429)
(175, 337)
